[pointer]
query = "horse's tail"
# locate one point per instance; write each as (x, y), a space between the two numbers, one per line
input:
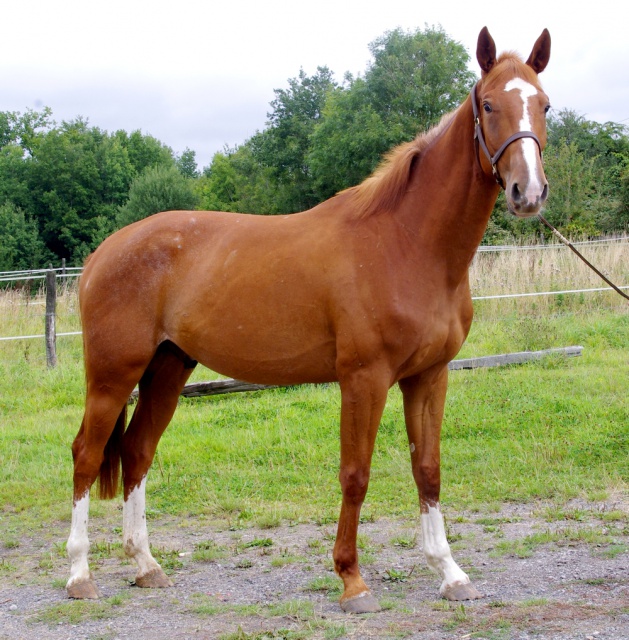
(109, 475)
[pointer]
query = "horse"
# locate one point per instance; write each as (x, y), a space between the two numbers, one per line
(368, 289)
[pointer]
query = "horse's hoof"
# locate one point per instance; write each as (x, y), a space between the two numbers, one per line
(362, 603)
(83, 590)
(155, 579)
(460, 591)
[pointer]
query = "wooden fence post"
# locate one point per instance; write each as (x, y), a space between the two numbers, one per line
(51, 308)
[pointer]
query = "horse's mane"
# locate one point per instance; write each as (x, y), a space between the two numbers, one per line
(387, 184)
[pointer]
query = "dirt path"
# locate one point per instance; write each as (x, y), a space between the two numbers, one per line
(545, 573)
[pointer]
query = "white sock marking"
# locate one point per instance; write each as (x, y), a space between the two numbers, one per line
(437, 550)
(134, 532)
(78, 543)
(529, 146)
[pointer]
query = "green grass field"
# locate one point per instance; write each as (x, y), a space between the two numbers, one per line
(551, 430)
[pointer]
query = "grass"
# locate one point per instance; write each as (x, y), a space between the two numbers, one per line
(208, 551)
(330, 585)
(551, 430)
(525, 547)
(77, 611)
(300, 613)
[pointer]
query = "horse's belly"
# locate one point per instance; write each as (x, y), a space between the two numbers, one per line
(262, 351)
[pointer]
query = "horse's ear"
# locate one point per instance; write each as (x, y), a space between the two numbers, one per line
(485, 51)
(541, 53)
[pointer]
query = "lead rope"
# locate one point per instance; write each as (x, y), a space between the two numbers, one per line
(589, 264)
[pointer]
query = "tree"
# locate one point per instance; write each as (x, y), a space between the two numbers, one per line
(585, 162)
(235, 181)
(414, 79)
(21, 247)
(157, 189)
(598, 155)
(607, 143)
(283, 147)
(78, 176)
(23, 129)
(187, 164)
(620, 218)
(349, 142)
(144, 150)
(322, 137)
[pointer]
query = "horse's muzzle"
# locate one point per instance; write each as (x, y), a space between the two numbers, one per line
(525, 203)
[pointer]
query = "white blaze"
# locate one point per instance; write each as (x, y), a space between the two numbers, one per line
(530, 149)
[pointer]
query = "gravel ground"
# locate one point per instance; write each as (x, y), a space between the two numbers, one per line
(544, 574)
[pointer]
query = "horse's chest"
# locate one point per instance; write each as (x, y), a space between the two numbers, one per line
(427, 335)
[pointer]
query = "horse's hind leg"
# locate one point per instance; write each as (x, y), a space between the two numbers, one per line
(424, 399)
(160, 387)
(95, 451)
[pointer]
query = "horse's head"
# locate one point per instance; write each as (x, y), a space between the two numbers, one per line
(510, 110)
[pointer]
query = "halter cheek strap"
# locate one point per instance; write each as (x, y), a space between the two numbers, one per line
(480, 140)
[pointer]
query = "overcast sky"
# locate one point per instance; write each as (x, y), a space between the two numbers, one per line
(201, 74)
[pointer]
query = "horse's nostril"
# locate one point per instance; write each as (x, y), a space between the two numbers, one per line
(545, 193)
(515, 193)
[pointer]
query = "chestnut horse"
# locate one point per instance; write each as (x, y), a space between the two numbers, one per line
(369, 288)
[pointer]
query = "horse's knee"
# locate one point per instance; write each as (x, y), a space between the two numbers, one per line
(354, 483)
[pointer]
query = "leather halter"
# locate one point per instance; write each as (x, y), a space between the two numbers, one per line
(480, 140)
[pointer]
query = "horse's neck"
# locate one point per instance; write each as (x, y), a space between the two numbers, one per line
(451, 199)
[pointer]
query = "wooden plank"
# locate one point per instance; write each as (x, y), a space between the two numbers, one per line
(218, 387)
(512, 358)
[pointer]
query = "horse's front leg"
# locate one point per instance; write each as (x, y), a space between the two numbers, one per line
(424, 399)
(362, 402)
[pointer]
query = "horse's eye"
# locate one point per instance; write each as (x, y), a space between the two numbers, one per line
(547, 108)
(487, 107)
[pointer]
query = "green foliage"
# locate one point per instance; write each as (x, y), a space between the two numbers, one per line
(235, 181)
(622, 215)
(20, 244)
(71, 168)
(283, 147)
(575, 201)
(587, 166)
(323, 137)
(187, 164)
(586, 162)
(158, 189)
(349, 142)
(144, 151)
(69, 181)
(416, 77)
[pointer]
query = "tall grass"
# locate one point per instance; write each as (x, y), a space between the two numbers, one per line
(549, 268)
(552, 430)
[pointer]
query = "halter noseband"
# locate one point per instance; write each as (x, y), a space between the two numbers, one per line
(480, 140)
